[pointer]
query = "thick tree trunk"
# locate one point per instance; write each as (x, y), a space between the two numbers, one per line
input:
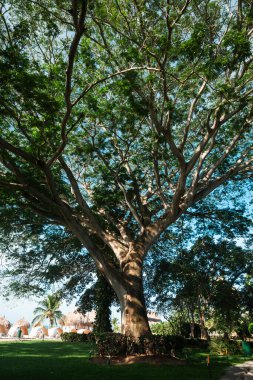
(134, 318)
(127, 283)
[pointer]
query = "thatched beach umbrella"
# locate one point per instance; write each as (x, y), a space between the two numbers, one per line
(86, 331)
(4, 325)
(61, 321)
(75, 319)
(38, 332)
(39, 327)
(54, 332)
(23, 324)
(2, 330)
(13, 331)
(88, 324)
(4, 322)
(83, 331)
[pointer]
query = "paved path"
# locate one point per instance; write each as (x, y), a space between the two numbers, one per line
(242, 371)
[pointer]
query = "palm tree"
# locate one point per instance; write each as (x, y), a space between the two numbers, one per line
(48, 309)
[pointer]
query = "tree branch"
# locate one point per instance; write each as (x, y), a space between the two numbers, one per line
(120, 72)
(79, 26)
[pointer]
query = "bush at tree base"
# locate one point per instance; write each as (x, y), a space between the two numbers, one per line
(114, 344)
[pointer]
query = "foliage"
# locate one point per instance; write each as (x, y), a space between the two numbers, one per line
(162, 344)
(98, 298)
(38, 256)
(112, 344)
(206, 282)
(220, 346)
(104, 297)
(75, 337)
(168, 328)
(161, 328)
(115, 325)
(48, 309)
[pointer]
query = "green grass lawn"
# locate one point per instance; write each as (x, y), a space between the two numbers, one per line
(70, 361)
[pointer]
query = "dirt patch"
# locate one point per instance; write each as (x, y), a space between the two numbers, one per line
(157, 360)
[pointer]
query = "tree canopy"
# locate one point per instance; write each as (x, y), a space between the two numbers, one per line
(209, 283)
(116, 117)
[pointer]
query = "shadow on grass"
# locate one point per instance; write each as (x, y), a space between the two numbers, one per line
(64, 361)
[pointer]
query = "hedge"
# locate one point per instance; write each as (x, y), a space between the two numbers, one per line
(115, 344)
(74, 337)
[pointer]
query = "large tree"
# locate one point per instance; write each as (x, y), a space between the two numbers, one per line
(116, 117)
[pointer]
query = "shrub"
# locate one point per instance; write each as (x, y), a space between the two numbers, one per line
(119, 345)
(74, 337)
(219, 346)
(112, 344)
(161, 344)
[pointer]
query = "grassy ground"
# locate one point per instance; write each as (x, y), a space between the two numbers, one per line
(69, 361)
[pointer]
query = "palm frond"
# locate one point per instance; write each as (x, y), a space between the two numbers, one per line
(39, 310)
(48, 306)
(38, 318)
